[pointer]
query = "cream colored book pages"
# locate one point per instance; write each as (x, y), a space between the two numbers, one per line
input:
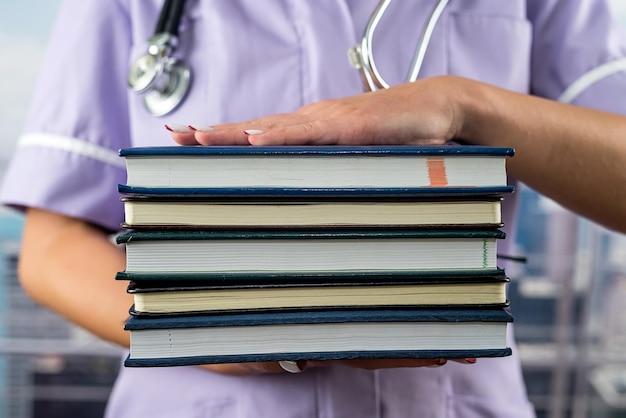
(320, 296)
(312, 214)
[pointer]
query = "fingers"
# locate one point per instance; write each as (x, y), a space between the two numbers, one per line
(334, 122)
(181, 134)
(465, 360)
(396, 363)
(226, 134)
(248, 369)
(206, 135)
(393, 363)
(274, 367)
(317, 124)
(285, 129)
(219, 136)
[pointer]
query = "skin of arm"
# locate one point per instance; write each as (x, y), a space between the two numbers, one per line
(574, 155)
(69, 266)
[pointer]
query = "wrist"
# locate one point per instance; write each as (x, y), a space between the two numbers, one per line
(475, 111)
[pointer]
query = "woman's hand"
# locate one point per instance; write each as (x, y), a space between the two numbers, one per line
(420, 113)
(247, 369)
(571, 154)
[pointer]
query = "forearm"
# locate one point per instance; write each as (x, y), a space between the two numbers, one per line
(574, 155)
(69, 266)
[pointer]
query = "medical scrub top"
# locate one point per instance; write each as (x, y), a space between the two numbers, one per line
(252, 58)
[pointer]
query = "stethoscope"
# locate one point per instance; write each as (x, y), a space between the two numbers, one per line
(164, 80)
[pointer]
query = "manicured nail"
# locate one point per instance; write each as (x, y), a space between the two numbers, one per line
(176, 127)
(253, 132)
(469, 360)
(203, 128)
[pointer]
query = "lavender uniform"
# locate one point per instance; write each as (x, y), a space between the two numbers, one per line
(252, 58)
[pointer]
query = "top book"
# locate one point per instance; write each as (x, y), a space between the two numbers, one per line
(317, 169)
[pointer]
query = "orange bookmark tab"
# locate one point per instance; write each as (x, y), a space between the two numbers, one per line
(437, 172)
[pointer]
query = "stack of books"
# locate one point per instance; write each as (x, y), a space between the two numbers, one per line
(242, 254)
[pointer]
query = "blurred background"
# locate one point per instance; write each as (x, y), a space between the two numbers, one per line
(567, 299)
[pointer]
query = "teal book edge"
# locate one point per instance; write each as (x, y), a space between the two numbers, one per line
(306, 278)
(296, 234)
(191, 285)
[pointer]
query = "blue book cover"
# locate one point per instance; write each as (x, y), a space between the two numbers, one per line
(497, 315)
(313, 192)
(377, 150)
(209, 278)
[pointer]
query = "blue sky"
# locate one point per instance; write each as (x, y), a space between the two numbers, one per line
(23, 35)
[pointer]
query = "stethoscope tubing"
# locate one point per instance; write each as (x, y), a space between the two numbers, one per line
(171, 14)
(372, 78)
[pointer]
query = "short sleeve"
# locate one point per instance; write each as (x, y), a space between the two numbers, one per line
(66, 161)
(579, 53)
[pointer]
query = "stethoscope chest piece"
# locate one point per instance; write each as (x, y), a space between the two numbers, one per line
(161, 79)
(164, 99)
(163, 82)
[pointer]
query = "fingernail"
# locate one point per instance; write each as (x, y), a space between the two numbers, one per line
(176, 127)
(253, 132)
(293, 366)
(469, 360)
(440, 362)
(203, 128)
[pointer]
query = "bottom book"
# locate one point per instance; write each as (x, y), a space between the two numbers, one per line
(318, 335)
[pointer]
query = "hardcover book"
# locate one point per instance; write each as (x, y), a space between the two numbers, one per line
(153, 212)
(317, 169)
(255, 251)
(318, 335)
(192, 297)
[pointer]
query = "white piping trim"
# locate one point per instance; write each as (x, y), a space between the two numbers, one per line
(74, 145)
(590, 78)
